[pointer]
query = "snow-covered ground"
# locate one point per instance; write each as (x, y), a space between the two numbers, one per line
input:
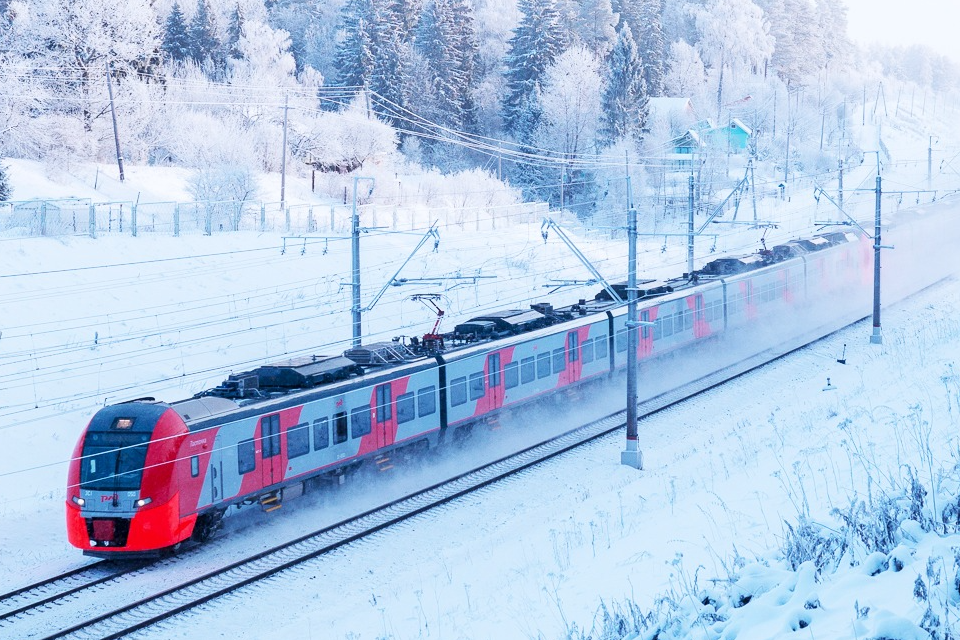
(726, 475)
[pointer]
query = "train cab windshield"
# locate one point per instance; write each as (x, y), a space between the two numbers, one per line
(113, 460)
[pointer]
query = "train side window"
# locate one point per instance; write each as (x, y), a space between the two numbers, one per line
(667, 326)
(406, 408)
(246, 456)
(427, 401)
(587, 350)
(194, 466)
(458, 391)
(559, 360)
(359, 422)
(384, 411)
(543, 365)
(339, 427)
(511, 375)
(298, 440)
(477, 388)
(600, 346)
(528, 370)
(657, 329)
(321, 434)
(573, 346)
(621, 341)
(687, 320)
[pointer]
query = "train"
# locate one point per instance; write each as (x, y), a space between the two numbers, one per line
(147, 477)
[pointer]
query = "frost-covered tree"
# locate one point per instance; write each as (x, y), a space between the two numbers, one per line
(536, 43)
(733, 36)
(342, 142)
(596, 25)
(624, 102)
(832, 19)
(685, 71)
(6, 190)
(798, 52)
(263, 57)
(570, 103)
(73, 42)
(176, 38)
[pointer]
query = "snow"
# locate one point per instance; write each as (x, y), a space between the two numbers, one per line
(726, 475)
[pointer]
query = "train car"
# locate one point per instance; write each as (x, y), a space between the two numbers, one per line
(147, 476)
(483, 379)
(690, 312)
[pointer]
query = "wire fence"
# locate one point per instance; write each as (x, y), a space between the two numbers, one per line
(83, 217)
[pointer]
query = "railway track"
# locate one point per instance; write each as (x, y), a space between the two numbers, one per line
(38, 594)
(117, 616)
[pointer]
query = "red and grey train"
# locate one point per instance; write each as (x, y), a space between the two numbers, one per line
(147, 476)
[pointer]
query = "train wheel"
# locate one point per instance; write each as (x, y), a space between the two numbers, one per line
(207, 525)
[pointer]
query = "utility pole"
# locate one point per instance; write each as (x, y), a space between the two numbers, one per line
(929, 162)
(283, 164)
(113, 115)
(355, 260)
(876, 338)
(840, 190)
(786, 161)
(631, 455)
(753, 189)
(690, 231)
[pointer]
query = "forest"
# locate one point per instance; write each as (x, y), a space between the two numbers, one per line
(550, 96)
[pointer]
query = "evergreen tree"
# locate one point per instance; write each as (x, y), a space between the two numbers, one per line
(536, 43)
(650, 44)
(176, 45)
(234, 33)
(6, 191)
(624, 103)
(203, 34)
(375, 51)
(354, 58)
(447, 38)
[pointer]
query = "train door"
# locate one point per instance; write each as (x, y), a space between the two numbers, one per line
(494, 381)
(272, 471)
(383, 416)
(216, 472)
(574, 366)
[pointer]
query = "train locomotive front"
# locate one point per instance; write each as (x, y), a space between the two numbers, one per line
(122, 494)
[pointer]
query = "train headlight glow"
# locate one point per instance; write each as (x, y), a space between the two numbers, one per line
(79, 501)
(142, 502)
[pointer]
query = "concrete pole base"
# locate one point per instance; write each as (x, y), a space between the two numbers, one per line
(876, 338)
(632, 459)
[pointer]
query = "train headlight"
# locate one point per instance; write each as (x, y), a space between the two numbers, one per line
(142, 502)
(77, 500)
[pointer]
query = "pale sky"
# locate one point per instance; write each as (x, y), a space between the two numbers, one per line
(903, 22)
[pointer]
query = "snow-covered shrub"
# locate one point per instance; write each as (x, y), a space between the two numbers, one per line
(809, 541)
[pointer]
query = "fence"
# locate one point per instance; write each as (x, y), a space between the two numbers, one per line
(82, 216)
